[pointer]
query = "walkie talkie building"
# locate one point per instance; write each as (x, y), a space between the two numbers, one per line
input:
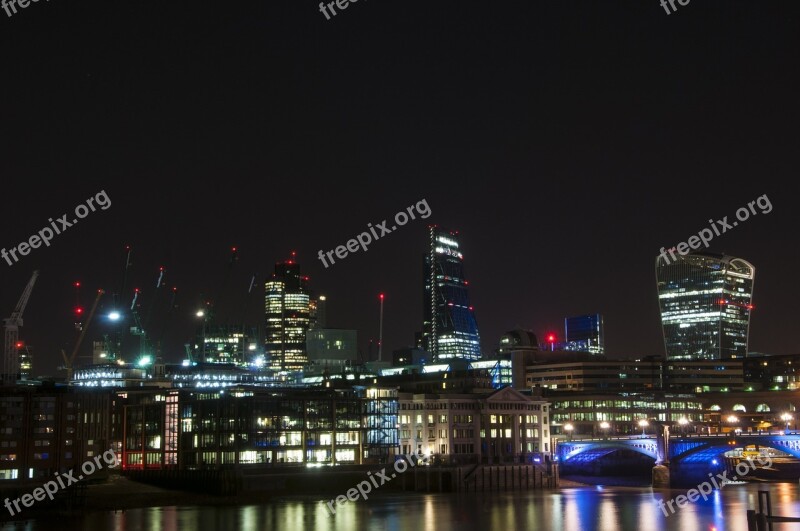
(705, 301)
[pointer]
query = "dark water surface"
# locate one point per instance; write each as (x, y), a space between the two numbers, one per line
(572, 509)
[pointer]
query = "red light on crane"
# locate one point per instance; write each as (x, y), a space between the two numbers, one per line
(20, 344)
(381, 296)
(551, 338)
(79, 310)
(77, 284)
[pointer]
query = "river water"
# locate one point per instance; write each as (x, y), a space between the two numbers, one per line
(571, 509)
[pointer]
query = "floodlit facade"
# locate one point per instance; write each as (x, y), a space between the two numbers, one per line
(502, 427)
(705, 301)
(449, 326)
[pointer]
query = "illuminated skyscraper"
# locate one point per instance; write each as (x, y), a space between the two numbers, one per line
(449, 328)
(584, 333)
(288, 309)
(705, 302)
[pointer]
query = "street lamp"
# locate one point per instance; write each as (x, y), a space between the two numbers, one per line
(683, 421)
(204, 313)
(568, 428)
(604, 426)
(643, 424)
(786, 417)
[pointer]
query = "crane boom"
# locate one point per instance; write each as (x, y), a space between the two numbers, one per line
(69, 362)
(12, 324)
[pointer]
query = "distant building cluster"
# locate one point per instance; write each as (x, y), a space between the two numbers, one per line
(292, 390)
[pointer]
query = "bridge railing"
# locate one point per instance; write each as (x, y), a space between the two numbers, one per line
(564, 439)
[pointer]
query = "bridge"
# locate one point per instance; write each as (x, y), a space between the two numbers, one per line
(690, 458)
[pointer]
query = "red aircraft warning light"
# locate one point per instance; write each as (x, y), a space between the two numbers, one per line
(551, 338)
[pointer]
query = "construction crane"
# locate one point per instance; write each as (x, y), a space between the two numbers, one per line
(12, 324)
(68, 362)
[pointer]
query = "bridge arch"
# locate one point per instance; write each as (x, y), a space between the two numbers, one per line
(706, 450)
(591, 450)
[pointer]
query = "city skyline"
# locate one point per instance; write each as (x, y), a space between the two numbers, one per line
(235, 311)
(498, 256)
(567, 168)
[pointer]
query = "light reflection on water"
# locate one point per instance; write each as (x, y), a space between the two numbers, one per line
(570, 509)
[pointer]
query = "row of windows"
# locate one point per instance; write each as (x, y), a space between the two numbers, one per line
(624, 404)
(472, 406)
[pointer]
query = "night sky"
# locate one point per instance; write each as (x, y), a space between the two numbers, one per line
(567, 142)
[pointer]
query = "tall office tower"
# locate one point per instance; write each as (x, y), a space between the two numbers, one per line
(449, 329)
(288, 311)
(584, 333)
(705, 302)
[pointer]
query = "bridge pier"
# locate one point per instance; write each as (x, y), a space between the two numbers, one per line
(661, 477)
